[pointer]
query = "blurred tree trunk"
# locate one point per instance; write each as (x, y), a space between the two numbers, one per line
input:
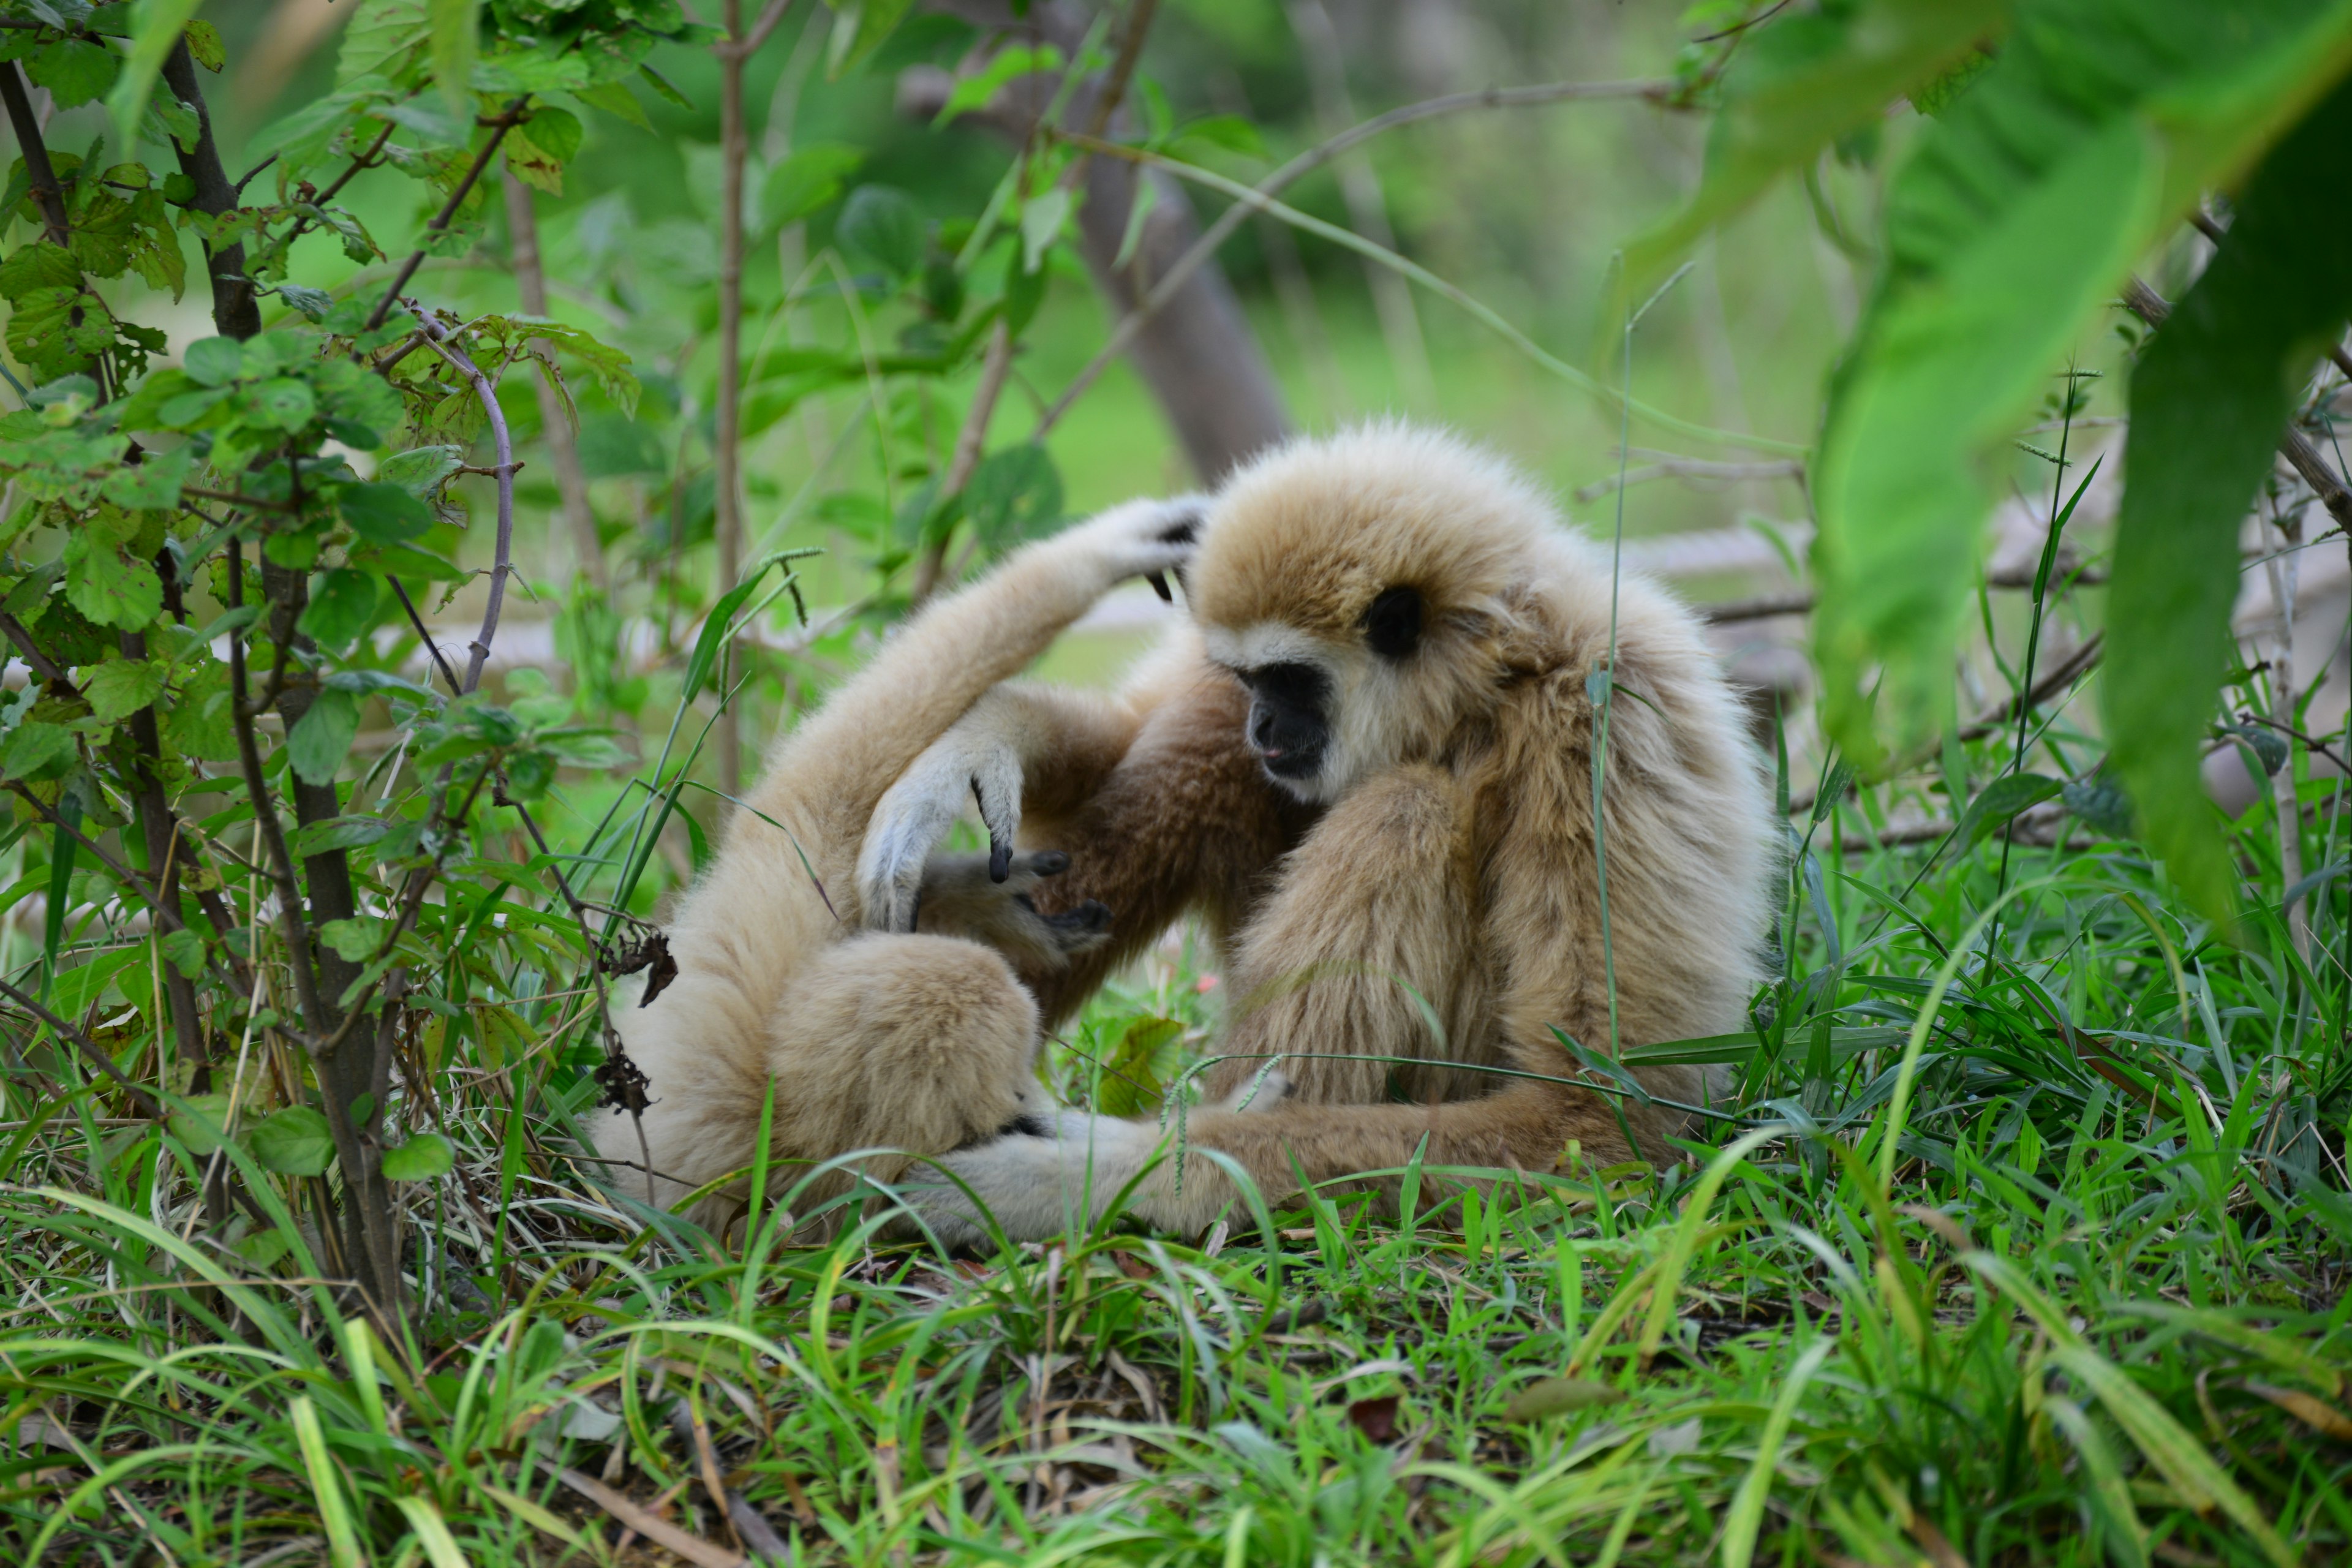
(734, 147)
(1198, 354)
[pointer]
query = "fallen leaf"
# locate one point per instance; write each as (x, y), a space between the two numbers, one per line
(1559, 1397)
(1680, 1438)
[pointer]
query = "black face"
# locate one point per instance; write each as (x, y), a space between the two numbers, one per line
(1286, 723)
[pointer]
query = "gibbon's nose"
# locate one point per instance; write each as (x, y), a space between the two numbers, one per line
(1262, 735)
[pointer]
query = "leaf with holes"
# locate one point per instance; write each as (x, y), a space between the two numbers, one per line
(121, 687)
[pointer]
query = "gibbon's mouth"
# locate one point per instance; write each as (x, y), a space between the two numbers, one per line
(1291, 764)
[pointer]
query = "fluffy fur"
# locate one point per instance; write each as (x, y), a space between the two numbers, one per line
(1430, 892)
(915, 1043)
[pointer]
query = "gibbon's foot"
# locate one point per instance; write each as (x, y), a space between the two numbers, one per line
(965, 896)
(1061, 1171)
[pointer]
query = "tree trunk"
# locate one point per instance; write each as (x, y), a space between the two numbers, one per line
(555, 426)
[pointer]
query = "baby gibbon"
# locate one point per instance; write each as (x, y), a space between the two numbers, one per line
(1368, 763)
(920, 1041)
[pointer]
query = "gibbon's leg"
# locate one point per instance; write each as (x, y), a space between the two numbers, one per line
(1362, 950)
(1378, 899)
(920, 1044)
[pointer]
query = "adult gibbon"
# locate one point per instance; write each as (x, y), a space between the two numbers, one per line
(917, 1039)
(1368, 764)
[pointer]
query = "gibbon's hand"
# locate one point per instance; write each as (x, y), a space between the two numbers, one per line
(1140, 539)
(978, 759)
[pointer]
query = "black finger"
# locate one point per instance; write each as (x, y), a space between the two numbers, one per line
(913, 909)
(1000, 850)
(1049, 863)
(1158, 582)
(1093, 915)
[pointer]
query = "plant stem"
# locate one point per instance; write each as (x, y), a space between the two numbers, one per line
(237, 311)
(993, 370)
(734, 148)
(507, 118)
(555, 420)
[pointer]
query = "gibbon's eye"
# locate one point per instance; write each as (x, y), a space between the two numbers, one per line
(1392, 625)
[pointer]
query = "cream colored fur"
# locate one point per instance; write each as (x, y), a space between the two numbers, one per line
(1445, 906)
(914, 1043)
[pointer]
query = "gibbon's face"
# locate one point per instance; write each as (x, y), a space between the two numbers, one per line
(1319, 706)
(1355, 585)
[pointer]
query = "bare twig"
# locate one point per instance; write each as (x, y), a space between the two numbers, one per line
(502, 559)
(969, 442)
(726, 435)
(749, 44)
(1693, 468)
(1800, 601)
(40, 663)
(88, 1047)
(237, 312)
(506, 120)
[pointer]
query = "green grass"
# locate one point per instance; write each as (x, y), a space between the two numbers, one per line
(2097, 1314)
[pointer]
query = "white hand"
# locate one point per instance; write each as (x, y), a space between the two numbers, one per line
(1138, 538)
(979, 757)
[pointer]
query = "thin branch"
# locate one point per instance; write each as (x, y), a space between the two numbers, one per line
(503, 557)
(503, 122)
(40, 663)
(38, 171)
(554, 422)
(727, 429)
(2152, 308)
(292, 925)
(1693, 468)
(237, 311)
(969, 442)
(1800, 601)
(87, 1046)
(749, 45)
(1169, 282)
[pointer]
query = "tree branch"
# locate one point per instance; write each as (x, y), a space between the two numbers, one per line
(969, 441)
(555, 425)
(502, 560)
(237, 311)
(38, 171)
(148, 1104)
(511, 116)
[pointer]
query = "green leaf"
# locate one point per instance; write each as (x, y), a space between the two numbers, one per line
(100, 583)
(339, 832)
(384, 513)
(1547, 1396)
(881, 227)
(422, 1158)
(973, 91)
(863, 27)
(121, 687)
(34, 750)
(419, 470)
(201, 1121)
(183, 950)
(1999, 801)
(1795, 86)
(357, 939)
(154, 484)
(2208, 402)
(807, 179)
(614, 99)
(75, 70)
(283, 402)
(1041, 224)
(316, 746)
(455, 31)
(204, 45)
(2009, 231)
(153, 38)
(1016, 494)
(1135, 1075)
(295, 1142)
(214, 361)
(342, 606)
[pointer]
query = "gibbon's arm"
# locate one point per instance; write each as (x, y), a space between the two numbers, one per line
(837, 764)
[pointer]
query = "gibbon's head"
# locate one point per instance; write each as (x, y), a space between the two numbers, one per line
(1356, 584)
